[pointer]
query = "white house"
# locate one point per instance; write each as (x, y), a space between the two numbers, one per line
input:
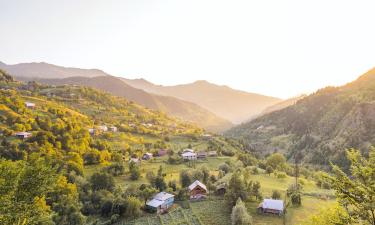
(103, 128)
(23, 135)
(271, 206)
(29, 104)
(188, 150)
(135, 160)
(189, 156)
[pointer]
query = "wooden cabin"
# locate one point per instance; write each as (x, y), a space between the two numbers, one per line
(197, 190)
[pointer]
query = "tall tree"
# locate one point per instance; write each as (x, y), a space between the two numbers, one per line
(239, 215)
(357, 192)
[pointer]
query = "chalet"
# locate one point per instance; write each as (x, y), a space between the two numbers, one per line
(212, 153)
(30, 105)
(147, 156)
(162, 152)
(160, 202)
(202, 155)
(271, 206)
(113, 129)
(197, 190)
(103, 128)
(221, 189)
(134, 160)
(189, 156)
(23, 135)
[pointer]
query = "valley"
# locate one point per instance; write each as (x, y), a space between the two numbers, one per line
(96, 142)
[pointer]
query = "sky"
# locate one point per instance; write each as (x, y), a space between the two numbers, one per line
(278, 48)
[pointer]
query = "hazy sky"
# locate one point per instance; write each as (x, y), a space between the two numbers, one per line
(275, 47)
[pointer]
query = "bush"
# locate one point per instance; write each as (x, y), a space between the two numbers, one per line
(281, 175)
(224, 167)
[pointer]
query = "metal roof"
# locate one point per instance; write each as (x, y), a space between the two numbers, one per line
(273, 204)
(197, 183)
(162, 196)
(154, 203)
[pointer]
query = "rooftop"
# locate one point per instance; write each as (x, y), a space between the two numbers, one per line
(273, 204)
(197, 183)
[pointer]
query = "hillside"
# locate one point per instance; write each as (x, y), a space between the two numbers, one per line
(215, 98)
(51, 74)
(45, 70)
(171, 106)
(281, 105)
(320, 126)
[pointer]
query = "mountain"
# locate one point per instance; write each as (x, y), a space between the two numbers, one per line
(233, 105)
(171, 106)
(45, 70)
(281, 105)
(320, 126)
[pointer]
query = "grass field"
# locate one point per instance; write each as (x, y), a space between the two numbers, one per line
(177, 216)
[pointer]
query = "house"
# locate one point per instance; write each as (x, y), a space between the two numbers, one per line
(160, 202)
(162, 152)
(202, 155)
(207, 136)
(103, 128)
(23, 135)
(113, 129)
(134, 160)
(271, 206)
(92, 131)
(189, 156)
(197, 190)
(188, 150)
(212, 153)
(147, 156)
(30, 105)
(221, 189)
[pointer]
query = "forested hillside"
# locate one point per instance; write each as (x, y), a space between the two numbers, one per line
(172, 106)
(320, 126)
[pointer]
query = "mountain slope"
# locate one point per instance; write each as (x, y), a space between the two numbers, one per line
(172, 106)
(281, 105)
(45, 70)
(215, 98)
(320, 126)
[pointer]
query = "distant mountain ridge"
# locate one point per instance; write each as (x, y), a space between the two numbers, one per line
(320, 126)
(175, 107)
(46, 70)
(234, 105)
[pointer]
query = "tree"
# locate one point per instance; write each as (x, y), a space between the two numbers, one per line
(147, 193)
(185, 178)
(276, 194)
(102, 181)
(269, 170)
(330, 215)
(23, 190)
(133, 207)
(239, 215)
(134, 171)
(356, 193)
(276, 161)
(236, 189)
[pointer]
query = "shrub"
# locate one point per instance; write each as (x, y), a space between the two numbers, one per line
(281, 175)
